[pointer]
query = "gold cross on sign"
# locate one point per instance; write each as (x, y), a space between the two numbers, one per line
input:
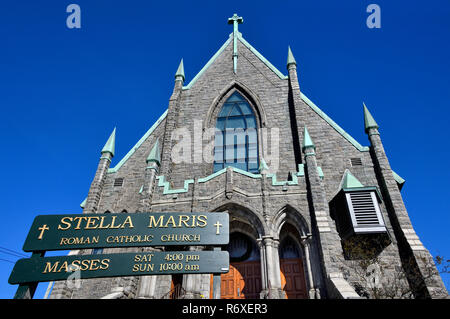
(43, 228)
(217, 227)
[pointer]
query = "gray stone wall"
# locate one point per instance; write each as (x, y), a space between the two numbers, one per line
(255, 199)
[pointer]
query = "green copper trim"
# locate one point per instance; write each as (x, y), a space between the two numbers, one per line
(207, 178)
(263, 59)
(290, 59)
(83, 203)
(320, 172)
(163, 183)
(398, 178)
(282, 183)
(351, 181)
(235, 20)
(333, 124)
(214, 57)
(314, 107)
(106, 158)
(110, 144)
(301, 170)
(263, 166)
(138, 144)
(307, 141)
(222, 48)
(369, 122)
(238, 170)
(180, 70)
(155, 154)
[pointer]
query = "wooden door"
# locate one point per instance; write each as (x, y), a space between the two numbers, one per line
(176, 289)
(293, 278)
(243, 281)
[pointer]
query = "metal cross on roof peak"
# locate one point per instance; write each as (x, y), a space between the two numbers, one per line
(235, 20)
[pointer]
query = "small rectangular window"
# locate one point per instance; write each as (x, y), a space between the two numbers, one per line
(356, 161)
(118, 182)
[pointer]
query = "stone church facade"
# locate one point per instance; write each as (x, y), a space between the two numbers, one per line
(300, 192)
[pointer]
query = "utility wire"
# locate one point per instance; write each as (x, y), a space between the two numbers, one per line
(12, 262)
(12, 252)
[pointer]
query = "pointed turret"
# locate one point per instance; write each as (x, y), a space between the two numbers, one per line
(350, 181)
(90, 204)
(110, 144)
(307, 141)
(155, 154)
(263, 168)
(369, 122)
(290, 58)
(153, 164)
(180, 72)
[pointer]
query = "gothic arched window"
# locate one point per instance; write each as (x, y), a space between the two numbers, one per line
(236, 137)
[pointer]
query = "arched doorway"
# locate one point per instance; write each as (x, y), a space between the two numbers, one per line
(292, 270)
(245, 278)
(243, 281)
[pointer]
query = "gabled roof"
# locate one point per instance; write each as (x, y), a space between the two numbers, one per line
(305, 99)
(222, 48)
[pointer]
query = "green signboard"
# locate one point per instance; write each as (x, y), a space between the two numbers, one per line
(81, 231)
(38, 269)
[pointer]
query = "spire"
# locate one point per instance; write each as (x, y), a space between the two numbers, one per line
(290, 59)
(180, 71)
(307, 141)
(350, 181)
(110, 144)
(369, 122)
(155, 154)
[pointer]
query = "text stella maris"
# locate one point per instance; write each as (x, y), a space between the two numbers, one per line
(111, 222)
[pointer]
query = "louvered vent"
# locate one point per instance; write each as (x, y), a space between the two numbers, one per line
(118, 182)
(356, 161)
(364, 208)
(365, 212)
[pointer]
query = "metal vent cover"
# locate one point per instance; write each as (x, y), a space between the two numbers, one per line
(118, 182)
(365, 212)
(356, 161)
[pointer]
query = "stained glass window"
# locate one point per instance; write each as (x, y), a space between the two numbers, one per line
(236, 137)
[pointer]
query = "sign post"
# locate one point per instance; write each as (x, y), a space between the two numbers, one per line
(86, 231)
(216, 280)
(82, 231)
(27, 290)
(38, 269)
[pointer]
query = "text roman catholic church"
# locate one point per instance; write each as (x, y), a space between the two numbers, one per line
(295, 218)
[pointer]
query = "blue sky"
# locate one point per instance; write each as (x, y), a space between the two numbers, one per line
(62, 91)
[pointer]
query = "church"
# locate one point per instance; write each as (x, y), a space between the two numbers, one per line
(313, 213)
